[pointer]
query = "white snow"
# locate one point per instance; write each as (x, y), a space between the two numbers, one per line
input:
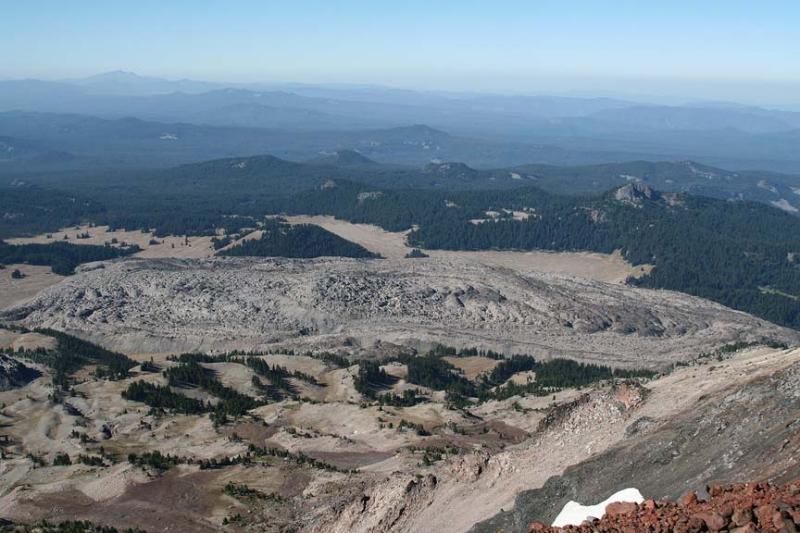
(574, 514)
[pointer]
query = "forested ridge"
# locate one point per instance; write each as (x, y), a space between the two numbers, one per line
(61, 257)
(741, 254)
(279, 239)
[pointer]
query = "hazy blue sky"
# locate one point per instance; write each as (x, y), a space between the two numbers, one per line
(702, 47)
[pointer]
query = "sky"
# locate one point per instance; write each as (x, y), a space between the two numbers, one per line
(718, 49)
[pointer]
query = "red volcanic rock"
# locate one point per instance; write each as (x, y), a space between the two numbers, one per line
(689, 499)
(713, 521)
(741, 508)
(741, 517)
(618, 508)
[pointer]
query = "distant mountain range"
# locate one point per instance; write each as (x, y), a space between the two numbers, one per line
(550, 129)
(265, 172)
(269, 175)
(132, 142)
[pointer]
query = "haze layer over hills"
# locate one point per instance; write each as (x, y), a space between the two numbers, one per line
(512, 129)
(287, 307)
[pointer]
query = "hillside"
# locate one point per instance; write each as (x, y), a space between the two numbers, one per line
(343, 158)
(305, 240)
(778, 190)
(244, 303)
(739, 253)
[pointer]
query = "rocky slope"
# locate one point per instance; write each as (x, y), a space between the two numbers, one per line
(741, 433)
(744, 507)
(729, 421)
(15, 374)
(150, 305)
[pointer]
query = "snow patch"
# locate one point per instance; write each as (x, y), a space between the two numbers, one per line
(574, 514)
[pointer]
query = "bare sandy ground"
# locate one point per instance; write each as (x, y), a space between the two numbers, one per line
(171, 246)
(392, 245)
(39, 277)
(472, 367)
(388, 244)
(602, 267)
(15, 291)
(26, 341)
(470, 489)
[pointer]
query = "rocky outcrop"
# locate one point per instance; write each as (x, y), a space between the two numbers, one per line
(160, 305)
(456, 171)
(744, 507)
(637, 194)
(15, 374)
(749, 432)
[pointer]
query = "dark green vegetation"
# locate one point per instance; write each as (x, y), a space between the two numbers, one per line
(29, 210)
(737, 253)
(71, 354)
(162, 462)
(299, 458)
(434, 372)
(416, 253)
(243, 492)
(372, 378)
(741, 254)
(162, 397)
(189, 373)
(372, 382)
(231, 402)
(62, 459)
(62, 257)
(279, 386)
(192, 375)
(674, 176)
(67, 526)
(155, 460)
(304, 240)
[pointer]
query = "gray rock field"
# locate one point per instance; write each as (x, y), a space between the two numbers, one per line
(362, 306)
